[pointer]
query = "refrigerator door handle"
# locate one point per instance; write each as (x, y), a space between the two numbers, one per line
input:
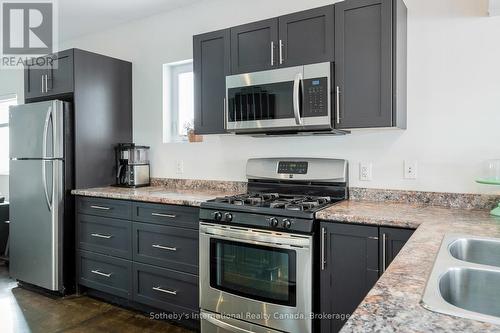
(46, 132)
(44, 180)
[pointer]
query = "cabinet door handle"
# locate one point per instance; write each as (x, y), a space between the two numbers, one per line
(97, 272)
(101, 236)
(171, 216)
(157, 246)
(43, 82)
(100, 207)
(323, 241)
(46, 83)
(160, 289)
(281, 52)
(337, 98)
(384, 239)
(272, 53)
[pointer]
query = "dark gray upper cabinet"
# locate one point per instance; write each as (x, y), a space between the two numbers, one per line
(99, 89)
(392, 241)
(254, 46)
(56, 78)
(370, 63)
(306, 37)
(211, 64)
(349, 271)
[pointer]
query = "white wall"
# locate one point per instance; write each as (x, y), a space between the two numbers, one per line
(453, 96)
(11, 82)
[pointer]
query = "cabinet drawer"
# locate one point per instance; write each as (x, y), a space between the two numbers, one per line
(165, 289)
(105, 207)
(105, 235)
(170, 247)
(177, 216)
(107, 274)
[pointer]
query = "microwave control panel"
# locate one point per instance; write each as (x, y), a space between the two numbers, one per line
(315, 101)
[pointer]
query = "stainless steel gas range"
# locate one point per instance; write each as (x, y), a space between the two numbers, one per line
(257, 248)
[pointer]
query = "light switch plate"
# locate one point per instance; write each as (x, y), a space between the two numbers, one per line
(410, 169)
(365, 171)
(179, 167)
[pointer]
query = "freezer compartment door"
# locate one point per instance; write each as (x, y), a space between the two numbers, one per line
(36, 216)
(36, 130)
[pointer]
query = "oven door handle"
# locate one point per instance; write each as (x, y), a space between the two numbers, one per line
(224, 325)
(247, 236)
(296, 98)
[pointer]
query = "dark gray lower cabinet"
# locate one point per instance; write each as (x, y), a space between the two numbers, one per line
(105, 235)
(352, 255)
(118, 209)
(168, 247)
(166, 289)
(349, 271)
(159, 242)
(104, 273)
(392, 241)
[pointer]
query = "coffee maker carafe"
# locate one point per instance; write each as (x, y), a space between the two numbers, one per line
(132, 165)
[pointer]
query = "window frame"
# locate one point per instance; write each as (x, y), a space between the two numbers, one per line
(5, 99)
(171, 73)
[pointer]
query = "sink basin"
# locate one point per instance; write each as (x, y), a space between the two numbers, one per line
(472, 289)
(477, 251)
(465, 279)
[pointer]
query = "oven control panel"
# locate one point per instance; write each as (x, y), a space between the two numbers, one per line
(315, 101)
(235, 218)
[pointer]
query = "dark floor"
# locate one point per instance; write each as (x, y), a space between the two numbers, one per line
(25, 311)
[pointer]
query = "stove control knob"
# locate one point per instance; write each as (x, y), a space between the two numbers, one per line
(287, 223)
(273, 222)
(217, 216)
(228, 217)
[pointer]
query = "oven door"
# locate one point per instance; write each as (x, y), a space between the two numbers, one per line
(285, 99)
(257, 276)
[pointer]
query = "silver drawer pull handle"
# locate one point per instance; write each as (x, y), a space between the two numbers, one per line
(164, 247)
(101, 236)
(101, 273)
(164, 215)
(100, 207)
(160, 289)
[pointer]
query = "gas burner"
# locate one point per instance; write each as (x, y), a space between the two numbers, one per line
(278, 204)
(293, 206)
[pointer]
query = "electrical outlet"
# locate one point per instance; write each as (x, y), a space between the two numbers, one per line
(179, 167)
(410, 169)
(365, 171)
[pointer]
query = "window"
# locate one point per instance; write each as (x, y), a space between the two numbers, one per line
(5, 102)
(178, 101)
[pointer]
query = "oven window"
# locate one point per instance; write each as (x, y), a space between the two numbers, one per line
(262, 102)
(257, 272)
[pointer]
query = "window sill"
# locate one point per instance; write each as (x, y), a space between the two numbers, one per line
(185, 139)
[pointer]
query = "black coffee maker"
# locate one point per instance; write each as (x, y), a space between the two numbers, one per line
(132, 165)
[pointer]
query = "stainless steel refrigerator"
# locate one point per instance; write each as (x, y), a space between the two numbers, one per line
(38, 183)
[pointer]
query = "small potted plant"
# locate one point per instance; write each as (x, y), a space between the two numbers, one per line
(192, 137)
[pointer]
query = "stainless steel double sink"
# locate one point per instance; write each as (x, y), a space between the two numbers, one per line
(465, 279)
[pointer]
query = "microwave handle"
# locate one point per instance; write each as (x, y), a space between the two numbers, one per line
(296, 98)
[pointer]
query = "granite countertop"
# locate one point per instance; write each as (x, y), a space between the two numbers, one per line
(154, 194)
(393, 305)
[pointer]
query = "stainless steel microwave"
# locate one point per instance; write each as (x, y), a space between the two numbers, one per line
(294, 99)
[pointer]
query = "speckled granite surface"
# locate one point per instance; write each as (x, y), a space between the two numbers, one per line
(196, 184)
(450, 200)
(393, 305)
(154, 194)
